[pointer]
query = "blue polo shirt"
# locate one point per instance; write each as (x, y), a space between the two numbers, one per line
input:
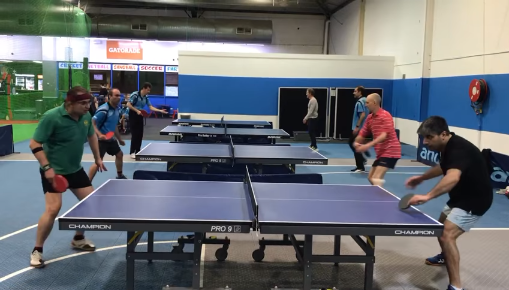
(360, 107)
(138, 101)
(106, 118)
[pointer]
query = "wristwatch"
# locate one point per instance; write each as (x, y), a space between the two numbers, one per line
(46, 167)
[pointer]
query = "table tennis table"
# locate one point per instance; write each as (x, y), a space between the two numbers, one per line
(222, 123)
(230, 154)
(212, 132)
(138, 206)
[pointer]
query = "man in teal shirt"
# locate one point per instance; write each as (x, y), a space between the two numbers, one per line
(106, 120)
(360, 114)
(58, 146)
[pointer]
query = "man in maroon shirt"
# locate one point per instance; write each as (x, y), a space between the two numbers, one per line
(387, 147)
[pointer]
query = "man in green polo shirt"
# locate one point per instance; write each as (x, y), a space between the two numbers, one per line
(58, 145)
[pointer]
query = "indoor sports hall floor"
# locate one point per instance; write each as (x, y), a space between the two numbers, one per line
(399, 261)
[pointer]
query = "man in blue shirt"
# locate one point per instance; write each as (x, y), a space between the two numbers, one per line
(360, 114)
(106, 120)
(136, 103)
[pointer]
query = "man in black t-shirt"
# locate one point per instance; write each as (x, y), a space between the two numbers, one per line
(466, 178)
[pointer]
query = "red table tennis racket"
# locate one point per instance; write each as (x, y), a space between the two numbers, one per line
(60, 184)
(109, 135)
(144, 113)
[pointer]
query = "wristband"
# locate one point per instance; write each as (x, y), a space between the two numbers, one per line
(46, 167)
(35, 150)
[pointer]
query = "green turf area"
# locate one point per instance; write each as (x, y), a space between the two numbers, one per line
(23, 132)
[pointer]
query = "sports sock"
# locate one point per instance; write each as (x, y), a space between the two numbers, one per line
(456, 288)
(78, 237)
(38, 249)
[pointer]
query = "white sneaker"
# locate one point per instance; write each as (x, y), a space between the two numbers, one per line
(133, 156)
(36, 260)
(85, 245)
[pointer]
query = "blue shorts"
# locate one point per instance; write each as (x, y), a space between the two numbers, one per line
(464, 220)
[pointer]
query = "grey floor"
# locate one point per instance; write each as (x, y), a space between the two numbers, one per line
(399, 264)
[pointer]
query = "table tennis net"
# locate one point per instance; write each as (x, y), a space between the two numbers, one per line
(251, 193)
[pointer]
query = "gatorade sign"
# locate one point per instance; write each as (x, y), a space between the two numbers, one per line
(124, 50)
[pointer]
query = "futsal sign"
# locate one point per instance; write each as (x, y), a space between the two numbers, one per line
(124, 50)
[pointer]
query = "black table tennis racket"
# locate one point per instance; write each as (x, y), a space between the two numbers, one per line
(403, 203)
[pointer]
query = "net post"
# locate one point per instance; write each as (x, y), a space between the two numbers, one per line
(254, 204)
(232, 149)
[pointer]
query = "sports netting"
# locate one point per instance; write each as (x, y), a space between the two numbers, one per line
(29, 87)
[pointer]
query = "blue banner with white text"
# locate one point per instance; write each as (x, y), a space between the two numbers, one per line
(425, 155)
(500, 174)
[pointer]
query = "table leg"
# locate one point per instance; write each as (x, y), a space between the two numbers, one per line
(308, 252)
(150, 244)
(198, 243)
(369, 267)
(130, 262)
(337, 247)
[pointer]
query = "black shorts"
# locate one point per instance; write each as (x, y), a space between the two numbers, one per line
(110, 147)
(386, 162)
(78, 179)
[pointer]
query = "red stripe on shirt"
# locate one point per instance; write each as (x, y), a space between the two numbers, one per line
(376, 125)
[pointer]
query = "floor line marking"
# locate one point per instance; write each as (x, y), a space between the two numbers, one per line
(14, 274)
(345, 172)
(17, 232)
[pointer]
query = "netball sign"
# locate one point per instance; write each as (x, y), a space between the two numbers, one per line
(124, 50)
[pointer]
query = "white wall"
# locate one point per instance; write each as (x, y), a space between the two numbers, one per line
(344, 30)
(472, 37)
(396, 28)
(64, 48)
(435, 39)
(281, 66)
(20, 48)
(284, 65)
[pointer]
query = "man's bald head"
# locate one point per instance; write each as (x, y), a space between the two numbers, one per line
(373, 102)
(375, 98)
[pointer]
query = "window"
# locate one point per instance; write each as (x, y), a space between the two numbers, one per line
(156, 79)
(125, 81)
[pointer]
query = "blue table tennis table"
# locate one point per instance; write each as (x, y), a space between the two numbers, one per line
(212, 132)
(138, 206)
(222, 123)
(230, 154)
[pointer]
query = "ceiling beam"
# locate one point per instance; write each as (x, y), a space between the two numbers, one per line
(341, 6)
(324, 8)
(182, 8)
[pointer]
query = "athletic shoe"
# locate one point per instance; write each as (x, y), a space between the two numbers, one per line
(358, 170)
(133, 156)
(36, 260)
(121, 177)
(84, 245)
(452, 288)
(438, 260)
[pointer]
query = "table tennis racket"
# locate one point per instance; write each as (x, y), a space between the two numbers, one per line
(109, 135)
(60, 184)
(403, 203)
(144, 113)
